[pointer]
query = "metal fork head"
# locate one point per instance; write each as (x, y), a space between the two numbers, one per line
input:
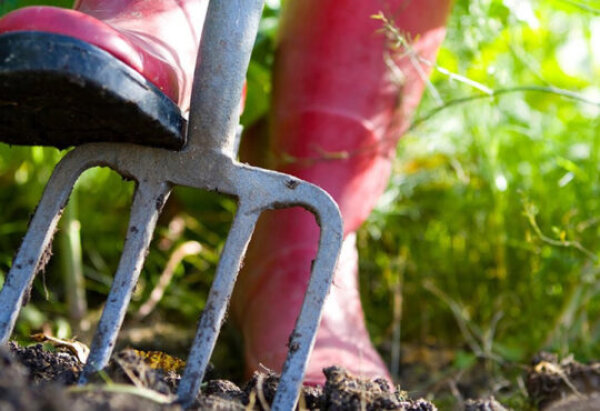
(156, 171)
(205, 163)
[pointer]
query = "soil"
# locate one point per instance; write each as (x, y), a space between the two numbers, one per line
(40, 377)
(564, 384)
(34, 378)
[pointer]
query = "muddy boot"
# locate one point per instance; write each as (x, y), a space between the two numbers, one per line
(337, 114)
(74, 75)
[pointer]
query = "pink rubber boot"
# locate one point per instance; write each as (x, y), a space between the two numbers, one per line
(337, 114)
(158, 38)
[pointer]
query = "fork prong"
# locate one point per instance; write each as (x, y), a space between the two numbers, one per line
(303, 337)
(147, 204)
(216, 304)
(32, 256)
(282, 190)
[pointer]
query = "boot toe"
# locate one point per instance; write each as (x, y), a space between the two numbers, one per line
(73, 23)
(60, 91)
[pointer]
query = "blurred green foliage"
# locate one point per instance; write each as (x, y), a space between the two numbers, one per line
(488, 235)
(489, 226)
(9, 5)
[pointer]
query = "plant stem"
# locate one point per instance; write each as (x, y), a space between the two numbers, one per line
(70, 244)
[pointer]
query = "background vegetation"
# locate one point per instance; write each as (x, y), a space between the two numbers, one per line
(484, 249)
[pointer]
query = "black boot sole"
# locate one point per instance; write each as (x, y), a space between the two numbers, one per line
(59, 91)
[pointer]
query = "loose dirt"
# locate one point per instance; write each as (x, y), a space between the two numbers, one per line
(33, 378)
(41, 377)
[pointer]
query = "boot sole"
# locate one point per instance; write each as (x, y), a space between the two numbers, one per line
(59, 91)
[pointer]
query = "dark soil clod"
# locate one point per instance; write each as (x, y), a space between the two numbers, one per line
(62, 366)
(343, 391)
(18, 391)
(550, 380)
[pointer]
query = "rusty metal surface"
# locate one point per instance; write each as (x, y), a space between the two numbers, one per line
(207, 163)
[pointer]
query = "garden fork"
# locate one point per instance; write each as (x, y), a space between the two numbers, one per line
(206, 162)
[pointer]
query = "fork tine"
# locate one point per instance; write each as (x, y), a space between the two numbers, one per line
(303, 336)
(216, 304)
(147, 204)
(37, 242)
